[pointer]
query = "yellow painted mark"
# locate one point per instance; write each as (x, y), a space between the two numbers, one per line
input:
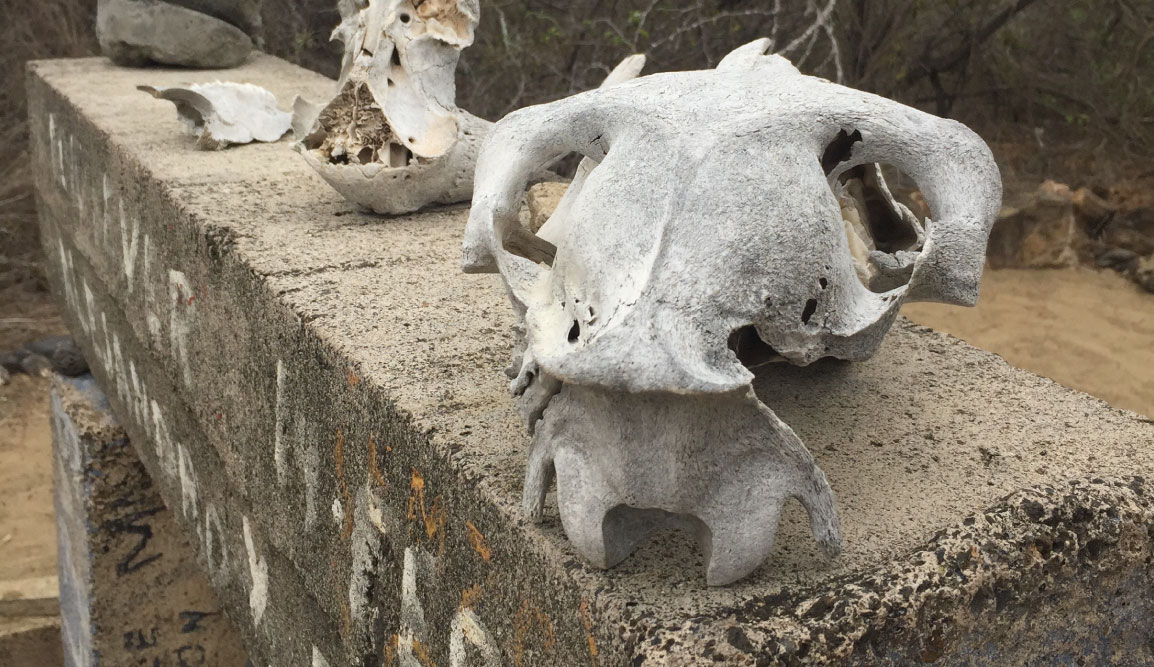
(374, 467)
(422, 654)
(390, 651)
(526, 616)
(588, 623)
(470, 596)
(478, 541)
(433, 517)
(352, 379)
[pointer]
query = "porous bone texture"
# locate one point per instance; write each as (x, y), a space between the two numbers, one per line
(392, 140)
(704, 212)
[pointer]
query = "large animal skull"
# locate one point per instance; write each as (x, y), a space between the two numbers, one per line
(393, 139)
(703, 235)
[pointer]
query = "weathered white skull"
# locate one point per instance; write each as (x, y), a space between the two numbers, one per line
(704, 235)
(225, 113)
(393, 139)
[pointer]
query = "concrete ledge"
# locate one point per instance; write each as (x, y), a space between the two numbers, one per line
(318, 394)
(131, 591)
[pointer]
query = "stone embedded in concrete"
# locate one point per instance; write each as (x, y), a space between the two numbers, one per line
(328, 383)
(131, 591)
(542, 200)
(137, 33)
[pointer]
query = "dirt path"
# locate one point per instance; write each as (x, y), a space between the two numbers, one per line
(27, 526)
(1089, 330)
(27, 523)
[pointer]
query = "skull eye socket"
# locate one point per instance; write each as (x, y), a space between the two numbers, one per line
(882, 211)
(882, 230)
(839, 150)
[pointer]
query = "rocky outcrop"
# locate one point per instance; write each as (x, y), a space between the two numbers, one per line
(1058, 227)
(1043, 233)
(53, 353)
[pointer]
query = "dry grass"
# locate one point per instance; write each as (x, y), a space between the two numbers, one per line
(29, 31)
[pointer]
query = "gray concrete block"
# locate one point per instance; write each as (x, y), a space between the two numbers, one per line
(318, 395)
(131, 592)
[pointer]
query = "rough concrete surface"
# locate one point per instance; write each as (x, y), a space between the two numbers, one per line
(317, 393)
(131, 592)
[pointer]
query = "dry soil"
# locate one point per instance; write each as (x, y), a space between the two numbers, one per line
(27, 529)
(1089, 330)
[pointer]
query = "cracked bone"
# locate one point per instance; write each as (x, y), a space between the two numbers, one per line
(224, 113)
(702, 236)
(393, 140)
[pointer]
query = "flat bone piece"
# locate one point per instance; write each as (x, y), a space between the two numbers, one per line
(225, 113)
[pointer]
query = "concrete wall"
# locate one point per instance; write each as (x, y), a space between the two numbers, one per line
(131, 591)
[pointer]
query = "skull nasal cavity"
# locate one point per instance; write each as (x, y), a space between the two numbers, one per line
(750, 349)
(574, 331)
(839, 150)
(808, 311)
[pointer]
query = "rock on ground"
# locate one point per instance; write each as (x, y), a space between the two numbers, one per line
(144, 32)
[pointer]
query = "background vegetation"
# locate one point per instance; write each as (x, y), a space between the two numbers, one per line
(1061, 88)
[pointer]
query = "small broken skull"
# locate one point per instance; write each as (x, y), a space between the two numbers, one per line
(225, 113)
(393, 139)
(721, 220)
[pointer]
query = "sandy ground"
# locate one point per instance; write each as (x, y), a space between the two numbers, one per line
(27, 528)
(1089, 330)
(27, 524)
(27, 531)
